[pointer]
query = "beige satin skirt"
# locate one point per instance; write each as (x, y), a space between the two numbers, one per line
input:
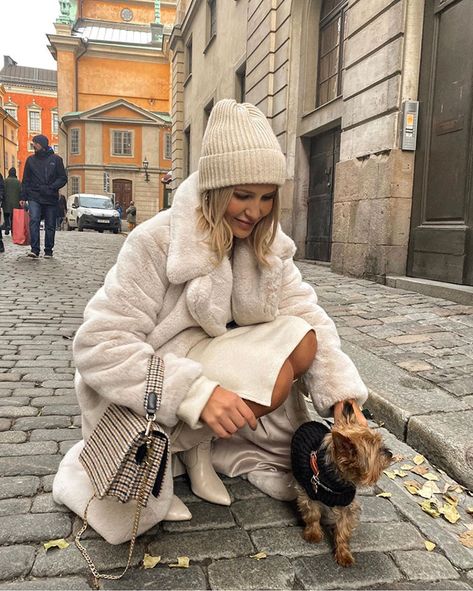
(248, 359)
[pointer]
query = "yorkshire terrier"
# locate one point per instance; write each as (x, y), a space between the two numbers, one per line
(328, 466)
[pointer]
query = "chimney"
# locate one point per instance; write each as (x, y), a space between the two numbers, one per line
(8, 61)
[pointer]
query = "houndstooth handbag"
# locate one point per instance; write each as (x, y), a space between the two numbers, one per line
(127, 457)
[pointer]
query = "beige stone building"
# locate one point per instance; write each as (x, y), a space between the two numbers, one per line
(338, 79)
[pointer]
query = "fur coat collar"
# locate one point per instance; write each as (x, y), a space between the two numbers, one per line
(240, 290)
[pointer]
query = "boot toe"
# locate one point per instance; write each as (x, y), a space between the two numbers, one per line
(177, 511)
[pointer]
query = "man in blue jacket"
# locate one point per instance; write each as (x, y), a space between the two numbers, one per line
(43, 176)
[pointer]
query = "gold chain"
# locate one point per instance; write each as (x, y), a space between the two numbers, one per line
(136, 522)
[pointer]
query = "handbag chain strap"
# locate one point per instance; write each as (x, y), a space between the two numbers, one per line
(151, 401)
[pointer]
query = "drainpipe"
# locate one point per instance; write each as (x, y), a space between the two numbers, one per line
(85, 43)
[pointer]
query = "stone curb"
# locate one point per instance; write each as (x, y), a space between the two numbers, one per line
(419, 413)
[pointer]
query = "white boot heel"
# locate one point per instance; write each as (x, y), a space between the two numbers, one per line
(204, 480)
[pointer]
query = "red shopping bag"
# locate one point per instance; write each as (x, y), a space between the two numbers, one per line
(21, 227)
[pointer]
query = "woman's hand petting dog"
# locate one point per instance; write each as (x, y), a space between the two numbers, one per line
(349, 411)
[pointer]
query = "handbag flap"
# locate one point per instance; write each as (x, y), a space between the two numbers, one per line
(118, 432)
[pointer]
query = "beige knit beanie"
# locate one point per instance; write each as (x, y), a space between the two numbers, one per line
(239, 147)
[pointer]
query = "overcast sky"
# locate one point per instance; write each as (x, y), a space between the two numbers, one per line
(23, 28)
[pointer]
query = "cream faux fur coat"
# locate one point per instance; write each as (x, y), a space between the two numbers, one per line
(165, 294)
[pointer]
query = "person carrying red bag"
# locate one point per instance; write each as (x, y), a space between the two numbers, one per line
(43, 176)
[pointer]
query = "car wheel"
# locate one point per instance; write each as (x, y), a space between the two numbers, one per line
(68, 227)
(80, 228)
(100, 231)
(115, 231)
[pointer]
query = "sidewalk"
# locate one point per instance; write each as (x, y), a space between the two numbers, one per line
(415, 354)
(41, 305)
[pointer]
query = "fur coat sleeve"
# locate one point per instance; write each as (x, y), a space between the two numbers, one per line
(111, 352)
(332, 376)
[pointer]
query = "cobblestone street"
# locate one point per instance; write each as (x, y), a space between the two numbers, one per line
(416, 355)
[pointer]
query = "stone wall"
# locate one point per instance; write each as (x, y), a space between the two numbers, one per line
(373, 183)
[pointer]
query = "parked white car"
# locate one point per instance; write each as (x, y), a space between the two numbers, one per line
(95, 212)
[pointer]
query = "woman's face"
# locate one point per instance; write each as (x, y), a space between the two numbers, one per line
(249, 204)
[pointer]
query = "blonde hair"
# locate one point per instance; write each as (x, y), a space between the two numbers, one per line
(214, 203)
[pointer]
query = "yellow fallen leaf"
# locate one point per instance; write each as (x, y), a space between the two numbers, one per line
(61, 543)
(259, 555)
(429, 545)
(469, 510)
(390, 474)
(431, 508)
(182, 562)
(425, 492)
(430, 476)
(418, 459)
(384, 495)
(466, 538)
(400, 473)
(412, 486)
(407, 467)
(450, 513)
(421, 470)
(151, 561)
(450, 498)
(397, 458)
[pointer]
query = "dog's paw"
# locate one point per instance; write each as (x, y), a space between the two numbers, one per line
(313, 534)
(344, 557)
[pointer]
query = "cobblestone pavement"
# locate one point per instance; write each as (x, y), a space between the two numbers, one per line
(41, 306)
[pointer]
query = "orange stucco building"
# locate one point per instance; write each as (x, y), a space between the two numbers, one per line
(8, 137)
(30, 98)
(114, 98)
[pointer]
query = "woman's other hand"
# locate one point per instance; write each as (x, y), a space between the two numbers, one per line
(355, 412)
(225, 413)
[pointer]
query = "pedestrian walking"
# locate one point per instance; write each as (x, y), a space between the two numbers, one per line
(210, 286)
(61, 211)
(43, 176)
(2, 193)
(11, 199)
(131, 216)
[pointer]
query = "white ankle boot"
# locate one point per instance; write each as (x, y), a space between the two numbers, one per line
(177, 511)
(204, 480)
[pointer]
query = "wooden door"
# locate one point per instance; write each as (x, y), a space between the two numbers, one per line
(441, 241)
(123, 190)
(324, 154)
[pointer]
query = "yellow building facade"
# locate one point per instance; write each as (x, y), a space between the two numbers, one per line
(8, 137)
(114, 99)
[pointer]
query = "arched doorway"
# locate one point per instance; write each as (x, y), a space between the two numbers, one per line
(123, 190)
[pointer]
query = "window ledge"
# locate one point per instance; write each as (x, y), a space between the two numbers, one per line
(209, 43)
(186, 81)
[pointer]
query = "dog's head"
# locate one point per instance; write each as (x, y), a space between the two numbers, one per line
(357, 451)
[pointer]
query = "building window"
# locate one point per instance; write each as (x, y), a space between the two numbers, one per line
(75, 185)
(74, 147)
(122, 143)
(30, 147)
(12, 111)
(56, 148)
(13, 161)
(240, 83)
(207, 110)
(54, 123)
(187, 151)
(5, 159)
(168, 146)
(188, 57)
(212, 19)
(331, 33)
(34, 121)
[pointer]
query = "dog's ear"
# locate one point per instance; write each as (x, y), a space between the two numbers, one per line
(344, 446)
